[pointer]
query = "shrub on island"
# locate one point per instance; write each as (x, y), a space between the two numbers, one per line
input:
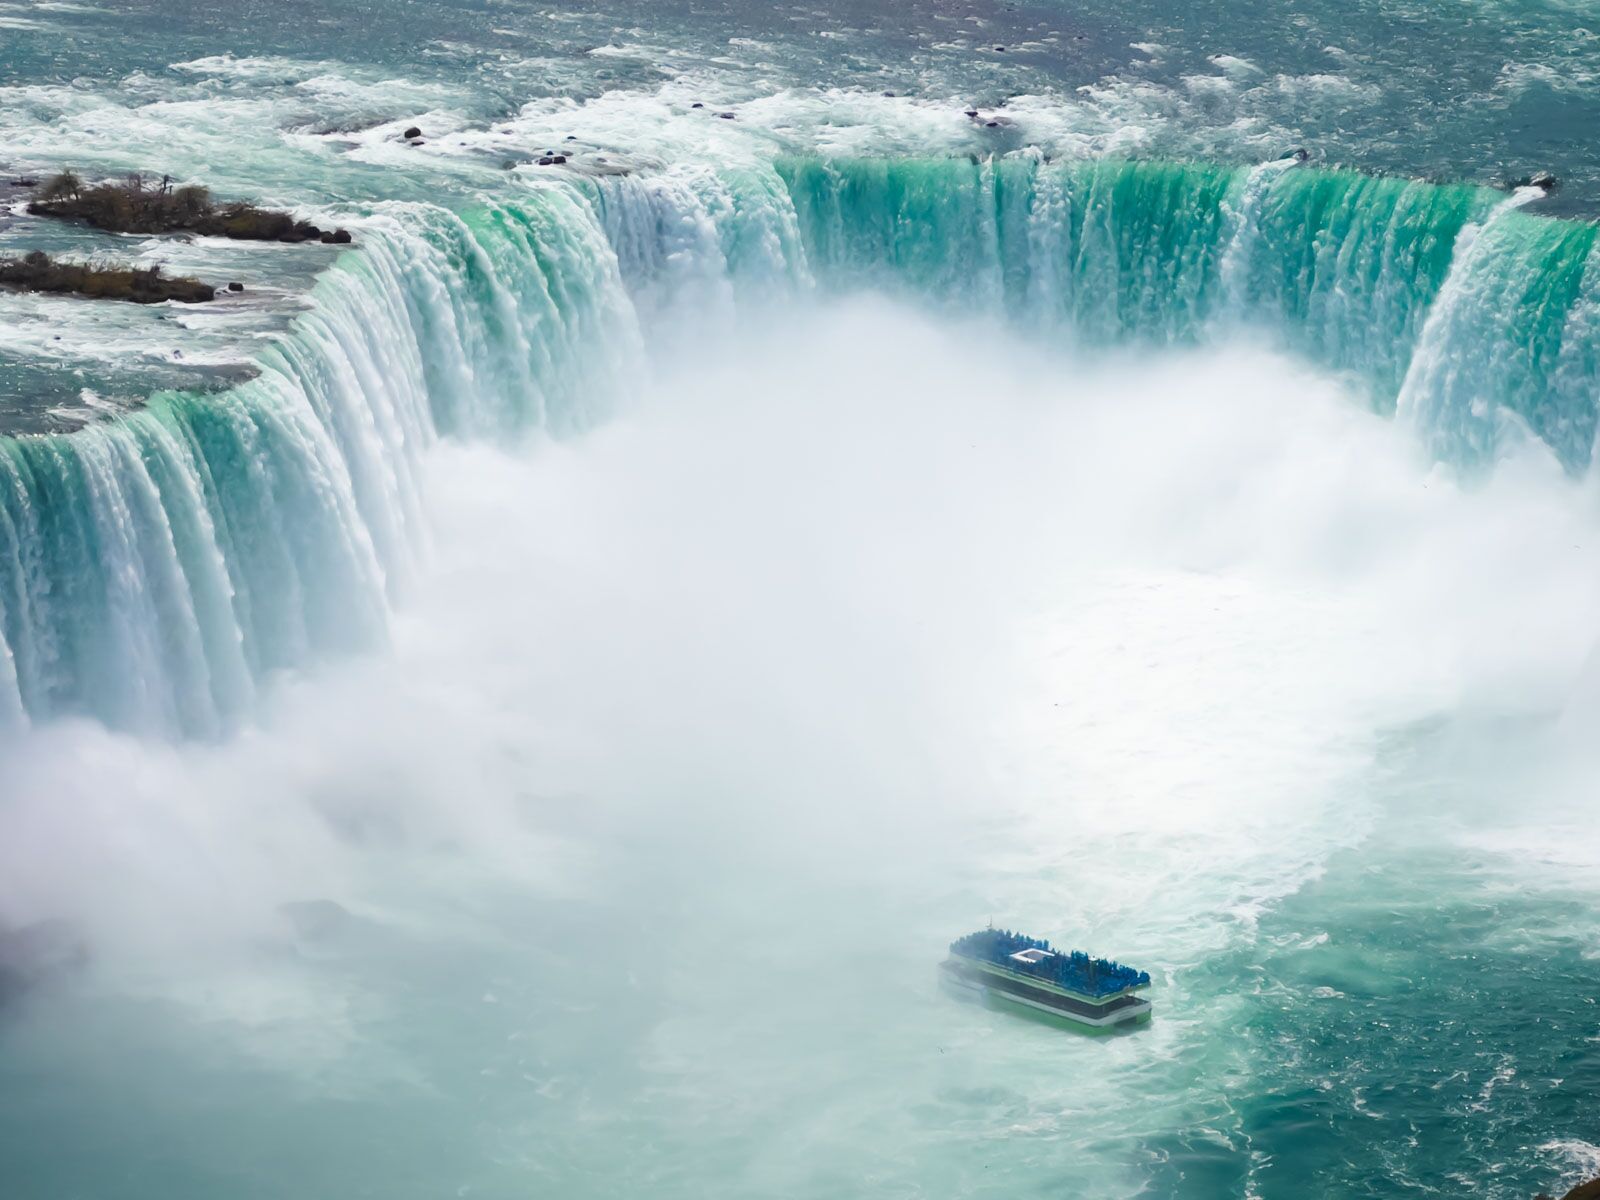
(38, 272)
(134, 205)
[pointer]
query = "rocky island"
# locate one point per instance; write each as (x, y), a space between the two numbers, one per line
(135, 205)
(38, 272)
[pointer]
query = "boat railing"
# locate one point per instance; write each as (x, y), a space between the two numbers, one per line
(1073, 970)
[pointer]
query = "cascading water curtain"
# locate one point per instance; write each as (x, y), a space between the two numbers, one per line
(154, 569)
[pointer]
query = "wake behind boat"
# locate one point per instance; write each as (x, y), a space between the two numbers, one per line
(1093, 994)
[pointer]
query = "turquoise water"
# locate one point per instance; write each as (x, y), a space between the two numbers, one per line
(518, 707)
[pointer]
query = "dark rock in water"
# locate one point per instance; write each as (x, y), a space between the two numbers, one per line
(412, 132)
(341, 237)
(1299, 154)
(973, 113)
(559, 159)
(888, 95)
(1542, 180)
(546, 160)
(999, 49)
(572, 137)
(1584, 1191)
(416, 142)
(236, 286)
(991, 124)
(697, 104)
(726, 116)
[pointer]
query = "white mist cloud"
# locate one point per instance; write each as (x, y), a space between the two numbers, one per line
(855, 631)
(791, 592)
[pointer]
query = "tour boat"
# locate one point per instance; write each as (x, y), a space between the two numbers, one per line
(1093, 994)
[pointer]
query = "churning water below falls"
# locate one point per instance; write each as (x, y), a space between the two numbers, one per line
(536, 735)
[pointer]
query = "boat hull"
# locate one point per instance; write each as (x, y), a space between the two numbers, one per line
(1114, 1014)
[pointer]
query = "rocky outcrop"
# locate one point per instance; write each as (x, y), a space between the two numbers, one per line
(1543, 180)
(1584, 1191)
(38, 272)
(136, 206)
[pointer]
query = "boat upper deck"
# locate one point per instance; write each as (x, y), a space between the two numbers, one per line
(1034, 960)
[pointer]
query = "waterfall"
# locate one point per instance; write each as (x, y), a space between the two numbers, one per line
(1511, 343)
(155, 569)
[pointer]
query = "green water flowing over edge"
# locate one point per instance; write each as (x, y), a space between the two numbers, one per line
(154, 569)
